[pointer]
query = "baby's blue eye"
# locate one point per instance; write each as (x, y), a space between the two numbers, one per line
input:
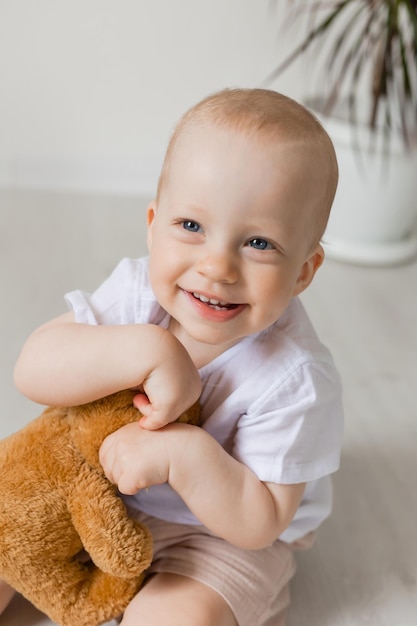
(193, 227)
(260, 244)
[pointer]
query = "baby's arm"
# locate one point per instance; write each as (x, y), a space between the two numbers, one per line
(66, 363)
(225, 495)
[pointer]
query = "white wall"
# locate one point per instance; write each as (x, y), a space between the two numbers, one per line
(90, 89)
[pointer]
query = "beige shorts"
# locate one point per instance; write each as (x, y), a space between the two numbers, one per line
(254, 583)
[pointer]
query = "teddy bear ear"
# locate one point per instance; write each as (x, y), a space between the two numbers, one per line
(118, 406)
(91, 423)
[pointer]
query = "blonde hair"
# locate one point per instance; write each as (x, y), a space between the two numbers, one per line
(266, 114)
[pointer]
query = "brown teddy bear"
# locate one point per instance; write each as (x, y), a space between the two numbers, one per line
(55, 503)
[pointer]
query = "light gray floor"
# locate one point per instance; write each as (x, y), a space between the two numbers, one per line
(363, 569)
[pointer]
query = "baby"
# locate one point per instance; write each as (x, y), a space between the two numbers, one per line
(234, 237)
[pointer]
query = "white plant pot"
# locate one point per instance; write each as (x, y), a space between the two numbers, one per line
(374, 216)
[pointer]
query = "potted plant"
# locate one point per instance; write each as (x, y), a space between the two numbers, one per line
(367, 52)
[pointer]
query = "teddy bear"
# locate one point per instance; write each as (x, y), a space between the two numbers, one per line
(56, 504)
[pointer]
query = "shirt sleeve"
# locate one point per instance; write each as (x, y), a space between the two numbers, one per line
(293, 432)
(125, 297)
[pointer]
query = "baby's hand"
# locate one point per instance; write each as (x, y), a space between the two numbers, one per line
(169, 390)
(134, 458)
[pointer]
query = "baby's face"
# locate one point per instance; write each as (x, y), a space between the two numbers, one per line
(230, 238)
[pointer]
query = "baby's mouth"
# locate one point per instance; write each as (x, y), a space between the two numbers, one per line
(217, 305)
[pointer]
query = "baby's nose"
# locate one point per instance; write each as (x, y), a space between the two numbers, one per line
(218, 267)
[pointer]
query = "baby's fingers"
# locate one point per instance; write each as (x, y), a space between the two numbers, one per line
(116, 460)
(141, 402)
(152, 417)
(153, 421)
(107, 460)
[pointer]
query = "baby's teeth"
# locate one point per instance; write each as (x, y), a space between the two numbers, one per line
(209, 300)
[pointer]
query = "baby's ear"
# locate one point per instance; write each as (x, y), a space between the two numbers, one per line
(308, 269)
(150, 216)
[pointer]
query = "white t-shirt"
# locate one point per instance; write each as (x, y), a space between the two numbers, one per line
(272, 401)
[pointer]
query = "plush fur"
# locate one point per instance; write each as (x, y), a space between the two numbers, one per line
(56, 502)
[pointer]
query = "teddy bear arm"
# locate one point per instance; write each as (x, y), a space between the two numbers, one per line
(83, 595)
(116, 544)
